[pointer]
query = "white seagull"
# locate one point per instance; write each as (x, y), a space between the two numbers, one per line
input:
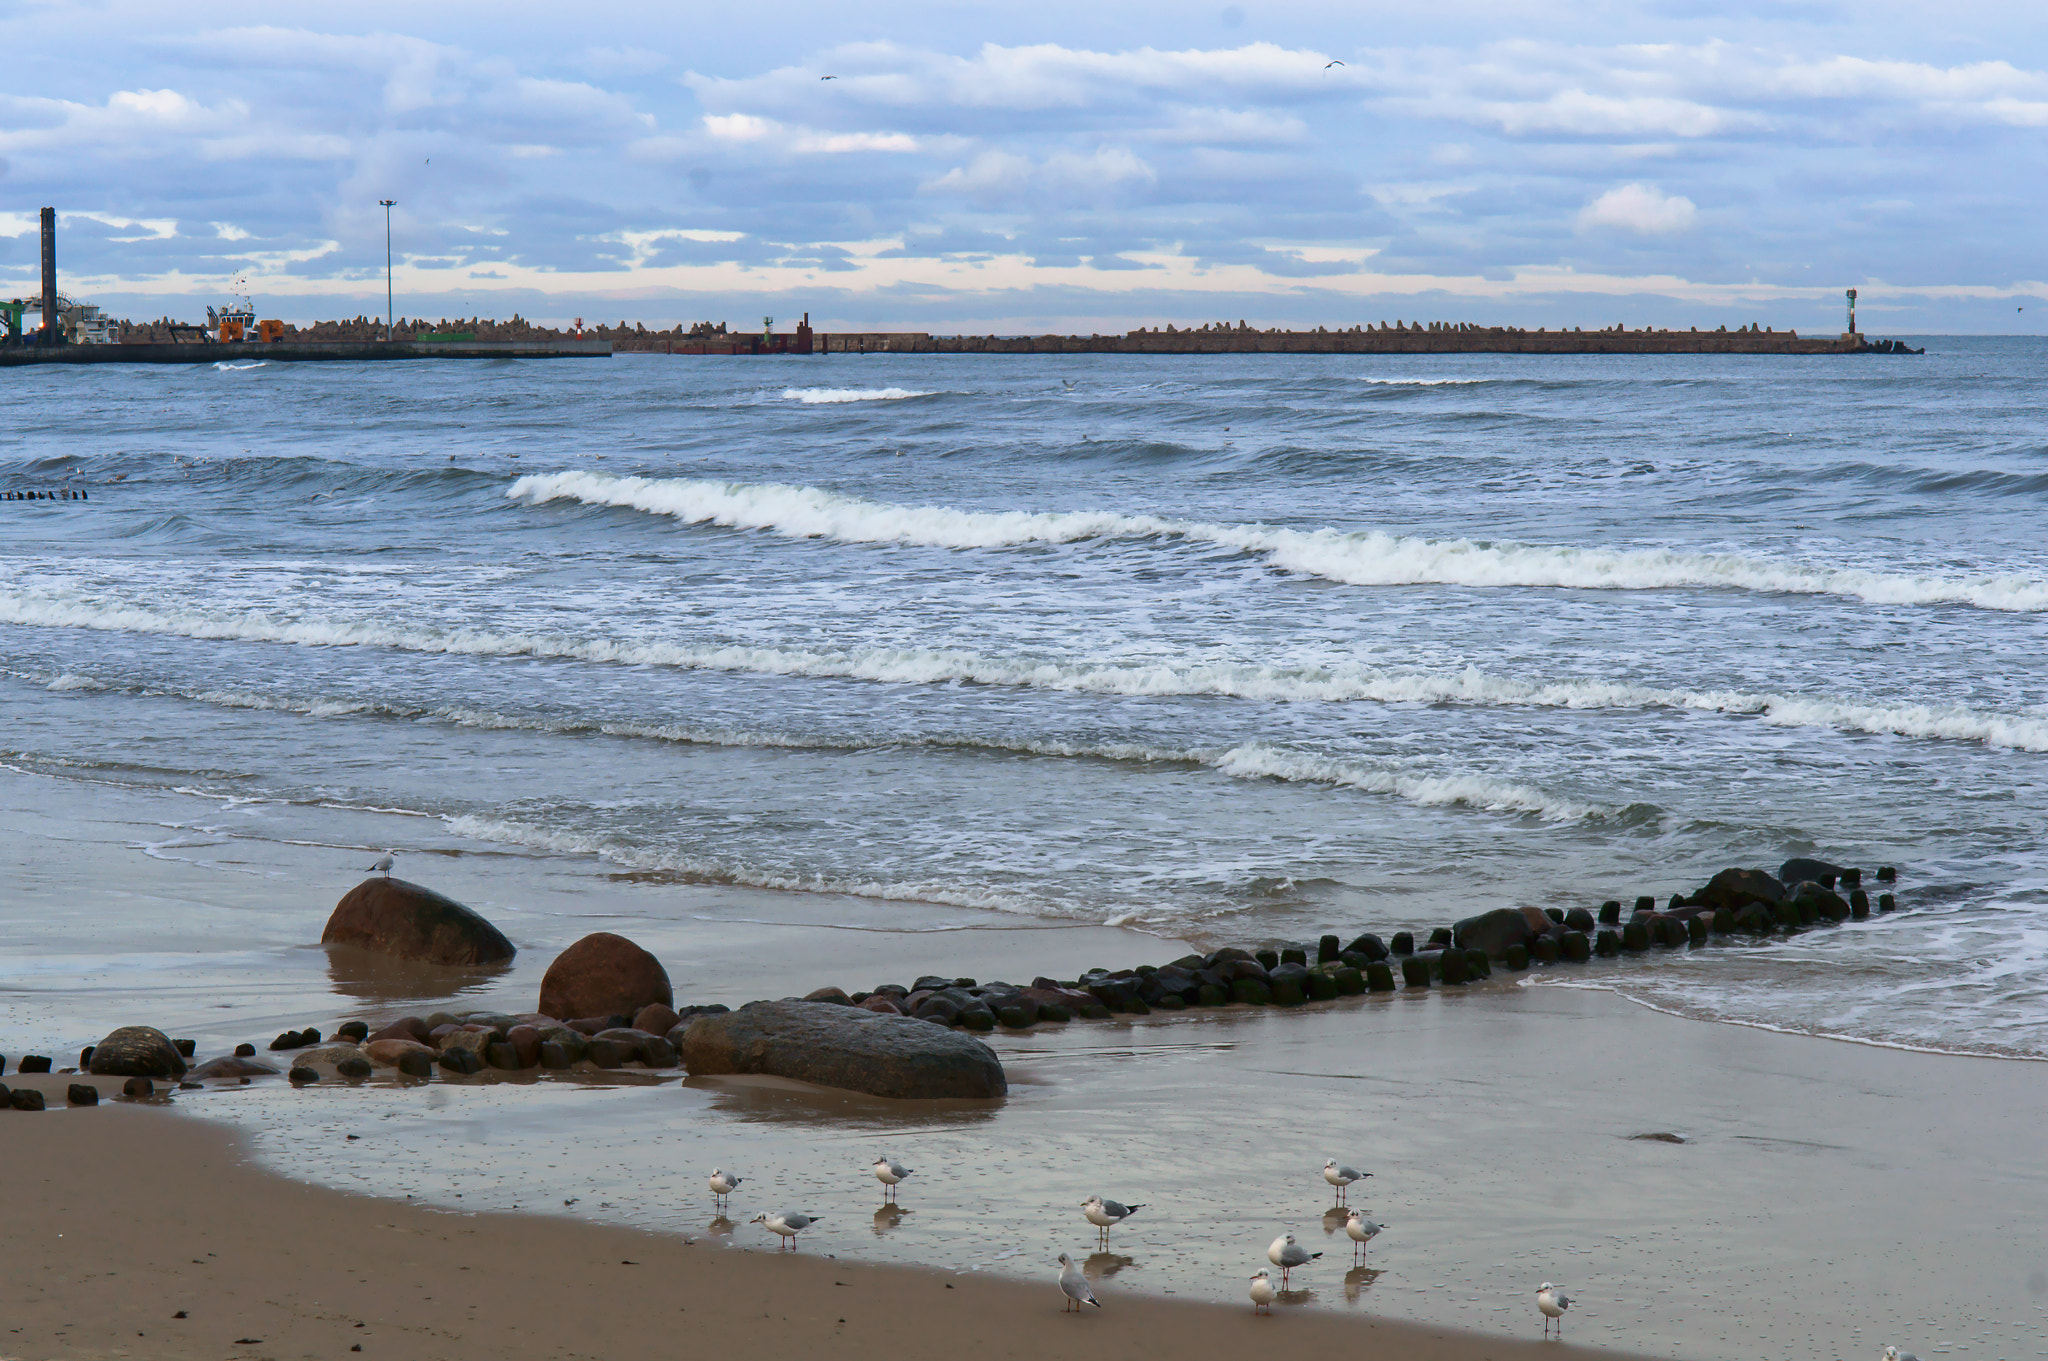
(722, 1184)
(1263, 1293)
(1361, 1230)
(1894, 1354)
(1075, 1286)
(1287, 1254)
(1553, 1304)
(1341, 1177)
(383, 863)
(888, 1171)
(788, 1223)
(1105, 1214)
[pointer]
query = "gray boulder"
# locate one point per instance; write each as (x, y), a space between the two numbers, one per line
(137, 1051)
(1735, 889)
(846, 1047)
(1493, 932)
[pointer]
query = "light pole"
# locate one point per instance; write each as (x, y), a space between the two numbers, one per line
(388, 205)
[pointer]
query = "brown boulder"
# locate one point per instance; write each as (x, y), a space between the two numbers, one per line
(525, 1041)
(603, 975)
(847, 1047)
(232, 1067)
(657, 1018)
(393, 917)
(389, 1053)
(404, 1028)
(135, 1051)
(1736, 889)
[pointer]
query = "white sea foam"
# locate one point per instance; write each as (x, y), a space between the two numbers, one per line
(225, 366)
(817, 396)
(1354, 557)
(1349, 682)
(1425, 382)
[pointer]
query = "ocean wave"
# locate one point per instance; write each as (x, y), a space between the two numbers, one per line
(1424, 382)
(1332, 684)
(228, 366)
(1353, 557)
(832, 396)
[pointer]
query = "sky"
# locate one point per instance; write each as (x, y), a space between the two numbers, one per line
(1053, 166)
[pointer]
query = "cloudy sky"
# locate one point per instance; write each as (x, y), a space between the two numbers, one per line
(1046, 166)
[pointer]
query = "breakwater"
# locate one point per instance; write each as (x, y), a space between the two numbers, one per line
(295, 351)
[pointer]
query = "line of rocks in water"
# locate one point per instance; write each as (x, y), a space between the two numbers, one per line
(635, 1025)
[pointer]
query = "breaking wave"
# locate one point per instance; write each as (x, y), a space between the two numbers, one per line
(817, 396)
(1353, 557)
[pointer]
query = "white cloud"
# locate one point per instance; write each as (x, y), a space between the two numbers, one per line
(1640, 208)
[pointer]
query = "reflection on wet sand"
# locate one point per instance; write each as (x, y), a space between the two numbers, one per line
(720, 1227)
(780, 1101)
(1333, 1219)
(888, 1216)
(381, 980)
(1295, 1297)
(1357, 1281)
(1100, 1266)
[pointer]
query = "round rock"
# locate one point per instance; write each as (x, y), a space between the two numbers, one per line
(603, 975)
(137, 1051)
(407, 921)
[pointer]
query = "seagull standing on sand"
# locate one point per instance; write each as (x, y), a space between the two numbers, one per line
(1553, 1305)
(1105, 1214)
(1894, 1354)
(788, 1223)
(723, 1184)
(1075, 1286)
(1361, 1231)
(1287, 1254)
(1341, 1177)
(888, 1171)
(1263, 1293)
(383, 864)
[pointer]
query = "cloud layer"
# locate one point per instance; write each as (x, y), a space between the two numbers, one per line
(1061, 168)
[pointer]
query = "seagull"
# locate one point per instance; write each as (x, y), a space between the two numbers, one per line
(1075, 1286)
(1361, 1230)
(723, 1184)
(1263, 1293)
(1894, 1354)
(1341, 1177)
(1287, 1254)
(1553, 1306)
(383, 863)
(828, 77)
(1328, 65)
(888, 1171)
(1105, 1213)
(788, 1223)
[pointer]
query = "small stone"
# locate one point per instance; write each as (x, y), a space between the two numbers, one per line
(607, 1053)
(245, 1051)
(466, 1061)
(981, 1019)
(214, 1069)
(1294, 954)
(1369, 945)
(1852, 878)
(1543, 949)
(1327, 949)
(416, 1063)
(1415, 971)
(1886, 902)
(502, 1054)
(1441, 936)
(1635, 936)
(1696, 927)
(1269, 960)
(1403, 943)
(355, 1031)
(1379, 976)
(1859, 904)
(138, 1087)
(302, 1076)
(657, 1018)
(1887, 874)
(552, 1055)
(1321, 986)
(836, 996)
(135, 1051)
(33, 1063)
(1456, 968)
(1608, 945)
(291, 1039)
(1574, 948)
(1579, 919)
(355, 1070)
(187, 1048)
(1610, 911)
(1208, 995)
(1515, 957)
(25, 1099)
(1646, 903)
(82, 1094)
(405, 1028)
(1251, 992)
(387, 1053)
(1724, 920)
(85, 1059)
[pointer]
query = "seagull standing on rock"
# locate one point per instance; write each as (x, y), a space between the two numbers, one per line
(1263, 1293)
(383, 864)
(1341, 1177)
(888, 1171)
(1553, 1304)
(788, 1223)
(1287, 1254)
(722, 1184)
(1105, 1214)
(1075, 1286)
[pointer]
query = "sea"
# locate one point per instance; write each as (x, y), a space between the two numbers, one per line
(1226, 649)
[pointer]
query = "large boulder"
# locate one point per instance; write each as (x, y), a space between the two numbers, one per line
(137, 1051)
(1735, 889)
(603, 975)
(847, 1047)
(392, 917)
(1493, 932)
(1801, 870)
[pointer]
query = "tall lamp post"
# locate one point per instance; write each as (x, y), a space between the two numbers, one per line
(388, 205)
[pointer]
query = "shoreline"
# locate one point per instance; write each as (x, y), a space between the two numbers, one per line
(176, 1244)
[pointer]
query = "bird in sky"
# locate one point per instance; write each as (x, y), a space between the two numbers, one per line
(828, 77)
(1329, 64)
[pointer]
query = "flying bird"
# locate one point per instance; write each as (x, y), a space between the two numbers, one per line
(1075, 1286)
(1263, 1293)
(1553, 1306)
(1328, 65)
(828, 77)
(1287, 1254)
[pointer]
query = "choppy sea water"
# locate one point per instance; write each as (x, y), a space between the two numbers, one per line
(1225, 648)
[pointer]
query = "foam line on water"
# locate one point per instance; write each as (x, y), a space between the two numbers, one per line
(835, 396)
(1353, 557)
(1341, 683)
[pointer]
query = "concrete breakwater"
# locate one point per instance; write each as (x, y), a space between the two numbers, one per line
(858, 1040)
(297, 351)
(1384, 338)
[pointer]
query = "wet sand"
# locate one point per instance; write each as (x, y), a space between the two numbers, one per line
(136, 1232)
(1829, 1197)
